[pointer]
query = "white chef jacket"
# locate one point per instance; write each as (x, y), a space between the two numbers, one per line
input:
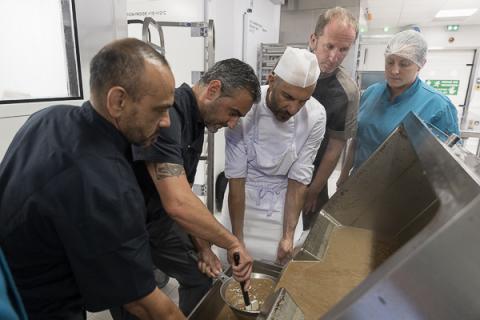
(267, 152)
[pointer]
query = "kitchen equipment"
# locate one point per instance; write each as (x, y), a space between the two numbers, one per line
(212, 306)
(399, 239)
(246, 298)
(243, 314)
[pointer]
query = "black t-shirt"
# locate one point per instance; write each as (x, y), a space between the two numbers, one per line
(339, 94)
(72, 216)
(181, 143)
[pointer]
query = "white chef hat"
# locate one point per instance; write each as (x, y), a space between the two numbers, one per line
(298, 67)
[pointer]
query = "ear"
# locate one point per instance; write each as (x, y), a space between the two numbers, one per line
(312, 43)
(116, 101)
(423, 64)
(271, 79)
(214, 89)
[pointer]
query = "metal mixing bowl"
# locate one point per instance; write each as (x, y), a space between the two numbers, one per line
(243, 314)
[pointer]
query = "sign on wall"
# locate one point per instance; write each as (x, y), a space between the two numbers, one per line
(447, 87)
(449, 72)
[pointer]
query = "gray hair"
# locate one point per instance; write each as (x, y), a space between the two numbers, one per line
(339, 14)
(122, 63)
(233, 74)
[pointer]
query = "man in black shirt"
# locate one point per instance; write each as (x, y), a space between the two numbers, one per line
(166, 171)
(335, 32)
(72, 216)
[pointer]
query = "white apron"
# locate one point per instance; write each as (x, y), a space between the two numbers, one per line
(271, 151)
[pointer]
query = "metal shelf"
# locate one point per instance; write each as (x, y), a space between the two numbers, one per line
(268, 56)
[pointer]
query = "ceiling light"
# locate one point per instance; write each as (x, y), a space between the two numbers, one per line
(385, 29)
(455, 13)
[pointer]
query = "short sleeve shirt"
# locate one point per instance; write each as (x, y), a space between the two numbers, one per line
(72, 216)
(339, 94)
(181, 143)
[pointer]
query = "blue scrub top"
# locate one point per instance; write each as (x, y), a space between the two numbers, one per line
(11, 307)
(378, 116)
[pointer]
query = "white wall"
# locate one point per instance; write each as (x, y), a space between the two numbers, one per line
(466, 37)
(262, 25)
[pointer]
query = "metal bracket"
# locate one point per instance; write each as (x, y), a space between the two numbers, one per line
(199, 31)
(196, 76)
(280, 306)
(199, 189)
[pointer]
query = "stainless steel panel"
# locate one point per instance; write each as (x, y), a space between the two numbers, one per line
(423, 199)
(285, 307)
(435, 274)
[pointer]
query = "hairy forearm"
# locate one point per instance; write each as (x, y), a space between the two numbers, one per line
(185, 207)
(236, 205)
(327, 164)
(200, 244)
(293, 205)
(155, 305)
(195, 218)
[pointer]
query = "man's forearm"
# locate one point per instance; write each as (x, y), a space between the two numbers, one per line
(236, 205)
(200, 244)
(155, 305)
(293, 205)
(186, 208)
(327, 164)
(196, 219)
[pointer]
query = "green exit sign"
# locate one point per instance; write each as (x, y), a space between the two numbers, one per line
(453, 27)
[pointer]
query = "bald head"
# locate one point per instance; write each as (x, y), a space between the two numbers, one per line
(122, 63)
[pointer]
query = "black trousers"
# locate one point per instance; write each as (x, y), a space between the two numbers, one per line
(169, 246)
(322, 199)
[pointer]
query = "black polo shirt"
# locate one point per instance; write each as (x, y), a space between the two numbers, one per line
(181, 143)
(72, 216)
(339, 94)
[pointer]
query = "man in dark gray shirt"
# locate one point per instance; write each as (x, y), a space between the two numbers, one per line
(335, 32)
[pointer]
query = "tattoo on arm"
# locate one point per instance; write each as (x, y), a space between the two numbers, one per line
(165, 170)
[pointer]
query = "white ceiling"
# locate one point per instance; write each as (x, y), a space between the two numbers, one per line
(399, 13)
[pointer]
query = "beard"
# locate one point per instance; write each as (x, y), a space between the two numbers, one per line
(280, 114)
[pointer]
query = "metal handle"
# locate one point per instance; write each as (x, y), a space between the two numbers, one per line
(246, 298)
(146, 34)
(452, 140)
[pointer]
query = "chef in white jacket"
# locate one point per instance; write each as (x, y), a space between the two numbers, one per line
(269, 156)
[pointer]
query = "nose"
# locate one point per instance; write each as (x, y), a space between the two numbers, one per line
(294, 107)
(164, 121)
(334, 55)
(395, 69)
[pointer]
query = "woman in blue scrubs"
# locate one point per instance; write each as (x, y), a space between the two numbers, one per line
(11, 306)
(384, 105)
